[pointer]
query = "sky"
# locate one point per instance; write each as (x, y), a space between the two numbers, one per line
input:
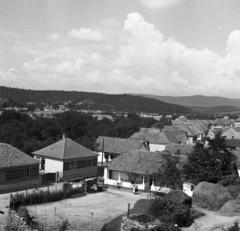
(159, 47)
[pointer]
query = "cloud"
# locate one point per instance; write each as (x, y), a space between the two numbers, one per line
(69, 67)
(54, 37)
(153, 4)
(109, 22)
(86, 34)
(96, 57)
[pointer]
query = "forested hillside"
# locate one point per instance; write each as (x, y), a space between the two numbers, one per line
(92, 101)
(29, 135)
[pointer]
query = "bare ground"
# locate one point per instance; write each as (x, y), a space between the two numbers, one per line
(212, 220)
(105, 206)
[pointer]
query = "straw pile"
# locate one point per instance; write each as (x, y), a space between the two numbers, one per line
(210, 196)
(233, 190)
(230, 208)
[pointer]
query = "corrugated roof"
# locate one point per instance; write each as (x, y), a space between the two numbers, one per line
(65, 149)
(117, 145)
(11, 156)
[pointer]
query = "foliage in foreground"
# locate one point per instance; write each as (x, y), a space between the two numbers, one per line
(171, 213)
(21, 199)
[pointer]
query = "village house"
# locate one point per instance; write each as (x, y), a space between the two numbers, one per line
(237, 123)
(231, 132)
(109, 148)
(221, 123)
(156, 138)
(136, 168)
(181, 149)
(68, 160)
(101, 117)
(17, 169)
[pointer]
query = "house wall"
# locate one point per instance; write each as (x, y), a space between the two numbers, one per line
(106, 157)
(157, 147)
(82, 170)
(16, 177)
(53, 165)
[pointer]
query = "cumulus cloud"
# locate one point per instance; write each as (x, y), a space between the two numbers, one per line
(153, 4)
(86, 34)
(168, 62)
(68, 67)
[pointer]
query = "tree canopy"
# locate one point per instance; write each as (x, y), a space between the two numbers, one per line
(212, 163)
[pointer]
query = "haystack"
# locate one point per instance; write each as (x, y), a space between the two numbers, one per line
(210, 196)
(179, 197)
(234, 190)
(230, 208)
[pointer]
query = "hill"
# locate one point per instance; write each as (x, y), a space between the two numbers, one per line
(92, 101)
(196, 100)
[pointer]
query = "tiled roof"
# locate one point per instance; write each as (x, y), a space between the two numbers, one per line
(237, 120)
(237, 129)
(231, 134)
(222, 122)
(233, 143)
(138, 136)
(139, 162)
(117, 145)
(184, 149)
(65, 149)
(155, 136)
(11, 156)
(180, 135)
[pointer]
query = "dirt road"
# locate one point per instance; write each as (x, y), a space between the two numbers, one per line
(210, 220)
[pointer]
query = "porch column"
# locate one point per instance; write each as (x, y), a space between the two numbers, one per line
(143, 183)
(106, 175)
(119, 177)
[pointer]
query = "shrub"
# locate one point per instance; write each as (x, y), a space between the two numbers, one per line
(170, 212)
(179, 197)
(235, 227)
(64, 225)
(228, 181)
(20, 199)
(167, 227)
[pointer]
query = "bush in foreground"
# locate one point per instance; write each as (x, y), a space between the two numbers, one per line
(21, 199)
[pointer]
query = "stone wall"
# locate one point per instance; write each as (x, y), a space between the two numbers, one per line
(132, 223)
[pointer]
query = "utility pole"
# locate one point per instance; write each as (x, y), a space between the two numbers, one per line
(92, 221)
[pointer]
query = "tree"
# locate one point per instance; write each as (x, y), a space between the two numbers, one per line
(210, 164)
(170, 170)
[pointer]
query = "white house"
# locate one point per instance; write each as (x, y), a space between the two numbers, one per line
(108, 147)
(136, 168)
(67, 158)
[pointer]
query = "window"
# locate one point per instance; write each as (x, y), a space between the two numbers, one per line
(71, 165)
(66, 166)
(2, 176)
(25, 173)
(94, 162)
(81, 164)
(88, 163)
